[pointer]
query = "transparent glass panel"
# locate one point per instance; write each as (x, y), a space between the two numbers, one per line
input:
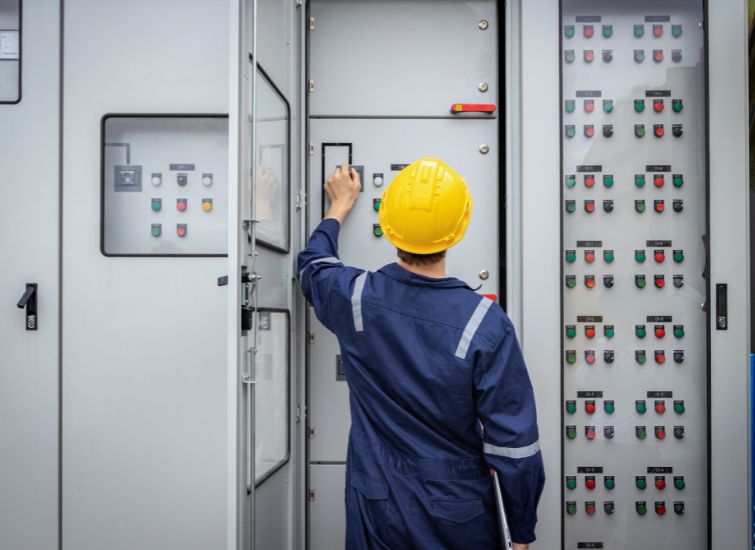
(165, 185)
(272, 165)
(10, 51)
(271, 409)
(633, 218)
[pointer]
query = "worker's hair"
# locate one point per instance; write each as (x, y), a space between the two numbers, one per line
(420, 259)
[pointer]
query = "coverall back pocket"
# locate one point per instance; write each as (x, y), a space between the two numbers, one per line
(369, 506)
(463, 524)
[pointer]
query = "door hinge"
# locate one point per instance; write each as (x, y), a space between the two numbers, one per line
(299, 3)
(311, 23)
(311, 148)
(311, 86)
(301, 199)
(311, 432)
(298, 414)
(311, 495)
(311, 336)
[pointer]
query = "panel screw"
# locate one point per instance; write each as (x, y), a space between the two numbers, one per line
(484, 274)
(483, 25)
(484, 149)
(483, 87)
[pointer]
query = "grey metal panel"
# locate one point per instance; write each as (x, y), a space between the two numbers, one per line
(144, 418)
(29, 252)
(401, 57)
(731, 504)
(10, 43)
(376, 145)
(273, 510)
(327, 512)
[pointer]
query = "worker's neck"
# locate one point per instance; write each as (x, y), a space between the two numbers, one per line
(435, 270)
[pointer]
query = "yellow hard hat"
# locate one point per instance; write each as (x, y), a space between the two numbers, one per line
(426, 209)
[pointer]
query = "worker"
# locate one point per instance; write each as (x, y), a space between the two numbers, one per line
(438, 389)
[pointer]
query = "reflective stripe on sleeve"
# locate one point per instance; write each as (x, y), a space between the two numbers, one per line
(472, 326)
(356, 302)
(329, 260)
(512, 452)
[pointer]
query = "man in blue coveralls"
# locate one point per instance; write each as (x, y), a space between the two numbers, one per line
(438, 389)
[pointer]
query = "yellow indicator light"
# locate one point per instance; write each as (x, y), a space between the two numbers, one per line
(207, 205)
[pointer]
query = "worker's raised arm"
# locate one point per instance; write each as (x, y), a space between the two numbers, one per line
(506, 409)
(320, 270)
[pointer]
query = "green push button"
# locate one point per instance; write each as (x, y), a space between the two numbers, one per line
(640, 406)
(676, 31)
(609, 483)
(640, 331)
(571, 281)
(639, 31)
(569, 31)
(608, 180)
(641, 433)
(571, 508)
(376, 204)
(571, 207)
(679, 407)
(608, 105)
(570, 131)
(571, 180)
(571, 331)
(677, 105)
(609, 407)
(571, 356)
(571, 482)
(157, 229)
(639, 130)
(641, 508)
(639, 206)
(640, 356)
(377, 230)
(679, 331)
(678, 180)
(678, 256)
(639, 181)
(571, 256)
(569, 105)
(640, 256)
(639, 56)
(609, 331)
(679, 482)
(571, 432)
(569, 56)
(607, 31)
(639, 105)
(157, 204)
(571, 408)
(608, 256)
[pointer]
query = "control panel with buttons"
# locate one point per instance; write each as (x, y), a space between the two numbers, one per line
(164, 185)
(633, 223)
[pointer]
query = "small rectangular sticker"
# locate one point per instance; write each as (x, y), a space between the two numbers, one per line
(660, 470)
(660, 394)
(658, 244)
(660, 319)
(589, 93)
(398, 167)
(588, 19)
(590, 469)
(657, 93)
(589, 244)
(182, 167)
(589, 318)
(589, 168)
(658, 168)
(589, 394)
(657, 18)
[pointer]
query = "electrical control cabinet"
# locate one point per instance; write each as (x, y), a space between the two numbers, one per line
(164, 185)
(10, 51)
(634, 335)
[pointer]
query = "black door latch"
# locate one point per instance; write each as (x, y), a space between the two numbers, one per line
(29, 302)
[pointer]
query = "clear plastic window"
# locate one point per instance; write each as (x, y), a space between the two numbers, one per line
(10, 51)
(272, 402)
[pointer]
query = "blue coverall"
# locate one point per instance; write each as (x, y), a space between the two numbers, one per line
(439, 395)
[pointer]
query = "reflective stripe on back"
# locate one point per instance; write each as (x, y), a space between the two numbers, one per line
(329, 260)
(512, 452)
(356, 302)
(472, 325)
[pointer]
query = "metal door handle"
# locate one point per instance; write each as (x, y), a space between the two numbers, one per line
(29, 302)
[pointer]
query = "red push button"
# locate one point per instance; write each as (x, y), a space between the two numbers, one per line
(658, 130)
(660, 432)
(590, 358)
(181, 229)
(590, 483)
(590, 281)
(660, 508)
(657, 56)
(660, 281)
(659, 256)
(589, 105)
(660, 331)
(588, 31)
(589, 181)
(660, 357)
(589, 207)
(181, 205)
(590, 409)
(657, 31)
(659, 206)
(658, 105)
(589, 256)
(660, 482)
(660, 406)
(589, 130)
(590, 432)
(659, 180)
(473, 108)
(589, 56)
(590, 508)
(590, 331)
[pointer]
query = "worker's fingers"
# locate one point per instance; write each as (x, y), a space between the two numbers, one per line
(356, 179)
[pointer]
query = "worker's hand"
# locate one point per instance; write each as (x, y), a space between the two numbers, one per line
(518, 546)
(343, 187)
